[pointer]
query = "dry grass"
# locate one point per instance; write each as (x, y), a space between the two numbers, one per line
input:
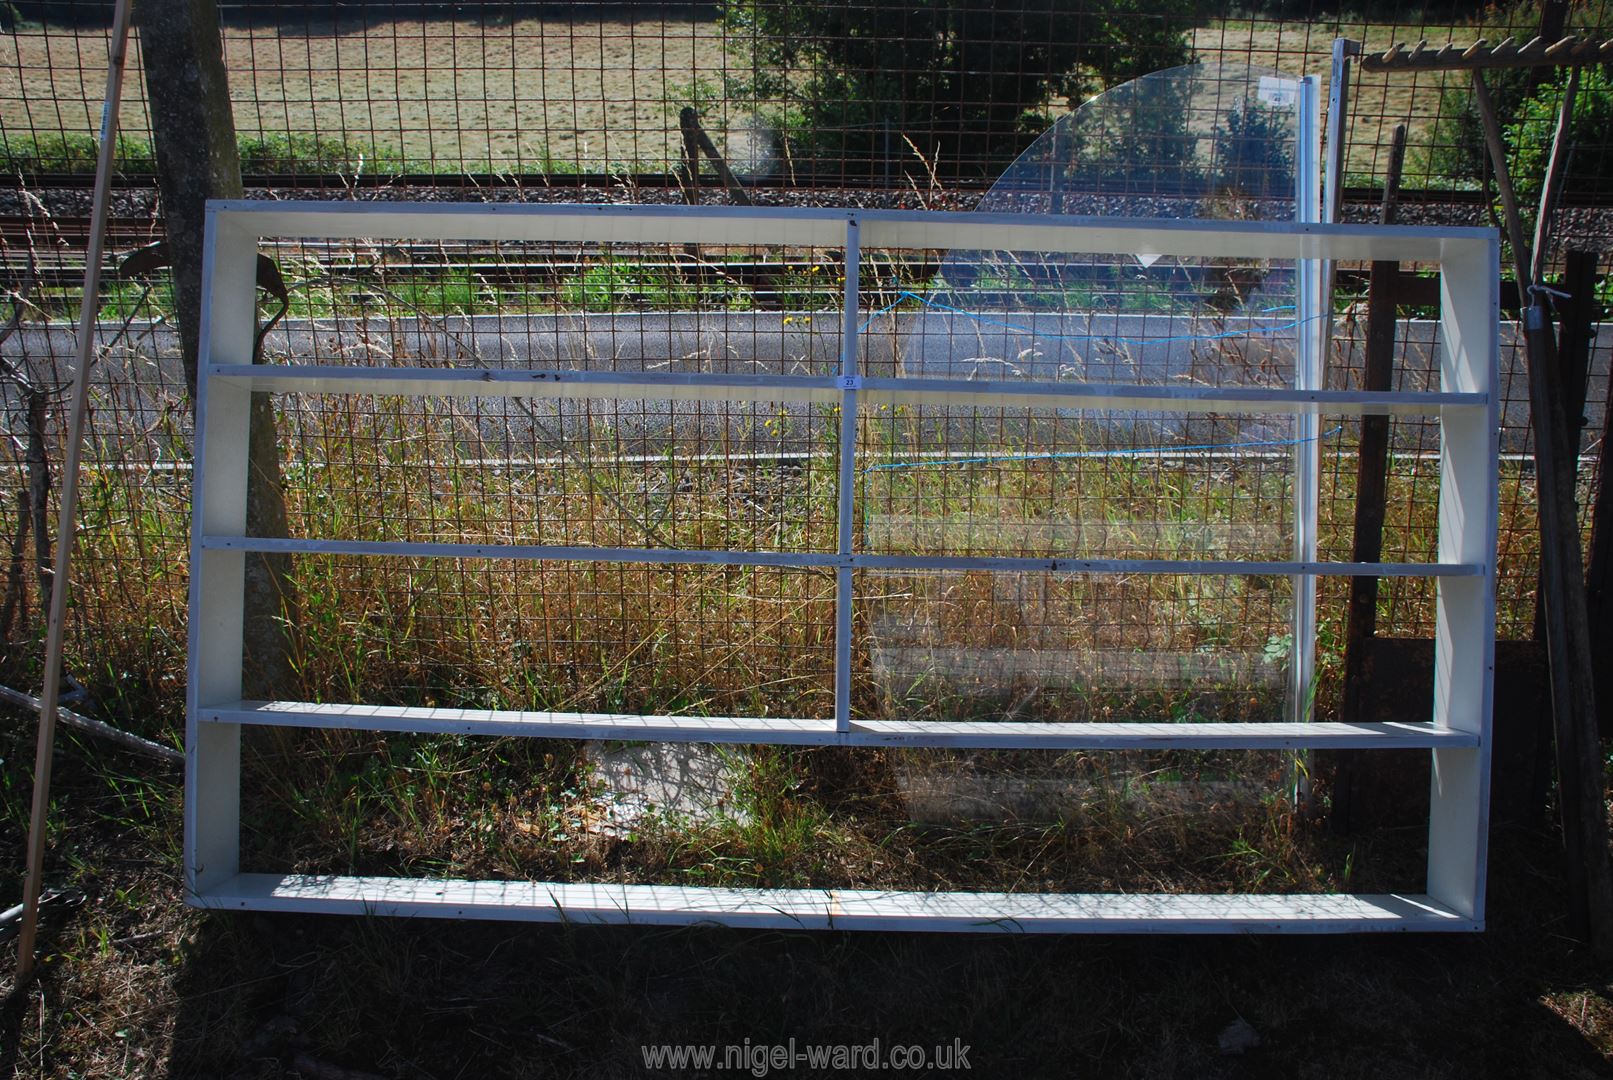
(574, 94)
(140, 986)
(527, 93)
(700, 640)
(746, 641)
(136, 985)
(1380, 99)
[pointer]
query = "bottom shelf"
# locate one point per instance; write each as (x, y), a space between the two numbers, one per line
(822, 732)
(835, 909)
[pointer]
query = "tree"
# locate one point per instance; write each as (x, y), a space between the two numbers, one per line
(967, 81)
(1458, 151)
(197, 160)
(1535, 122)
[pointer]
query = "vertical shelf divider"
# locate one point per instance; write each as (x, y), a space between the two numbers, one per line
(212, 815)
(850, 378)
(1464, 620)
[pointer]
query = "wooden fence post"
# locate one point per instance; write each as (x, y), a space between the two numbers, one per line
(1372, 466)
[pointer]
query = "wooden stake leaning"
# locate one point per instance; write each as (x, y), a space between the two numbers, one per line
(697, 142)
(65, 531)
(1568, 644)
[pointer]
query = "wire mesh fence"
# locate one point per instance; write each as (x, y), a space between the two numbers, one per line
(803, 95)
(881, 103)
(748, 476)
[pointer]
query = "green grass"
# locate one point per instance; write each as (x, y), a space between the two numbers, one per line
(271, 153)
(481, 284)
(70, 153)
(612, 284)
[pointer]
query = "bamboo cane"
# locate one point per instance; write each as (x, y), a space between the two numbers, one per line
(90, 309)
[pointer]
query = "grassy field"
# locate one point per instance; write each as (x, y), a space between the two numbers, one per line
(439, 94)
(137, 985)
(534, 94)
(1380, 100)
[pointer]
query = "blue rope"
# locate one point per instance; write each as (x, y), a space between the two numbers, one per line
(987, 320)
(1139, 451)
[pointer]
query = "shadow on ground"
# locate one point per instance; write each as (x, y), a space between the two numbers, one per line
(273, 996)
(137, 985)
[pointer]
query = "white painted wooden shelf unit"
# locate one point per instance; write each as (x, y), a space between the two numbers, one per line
(1457, 734)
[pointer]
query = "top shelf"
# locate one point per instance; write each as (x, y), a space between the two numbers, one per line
(828, 389)
(828, 227)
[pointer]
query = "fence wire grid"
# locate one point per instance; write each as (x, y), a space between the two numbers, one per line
(534, 102)
(800, 95)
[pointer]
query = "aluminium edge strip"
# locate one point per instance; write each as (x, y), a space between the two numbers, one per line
(210, 861)
(833, 909)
